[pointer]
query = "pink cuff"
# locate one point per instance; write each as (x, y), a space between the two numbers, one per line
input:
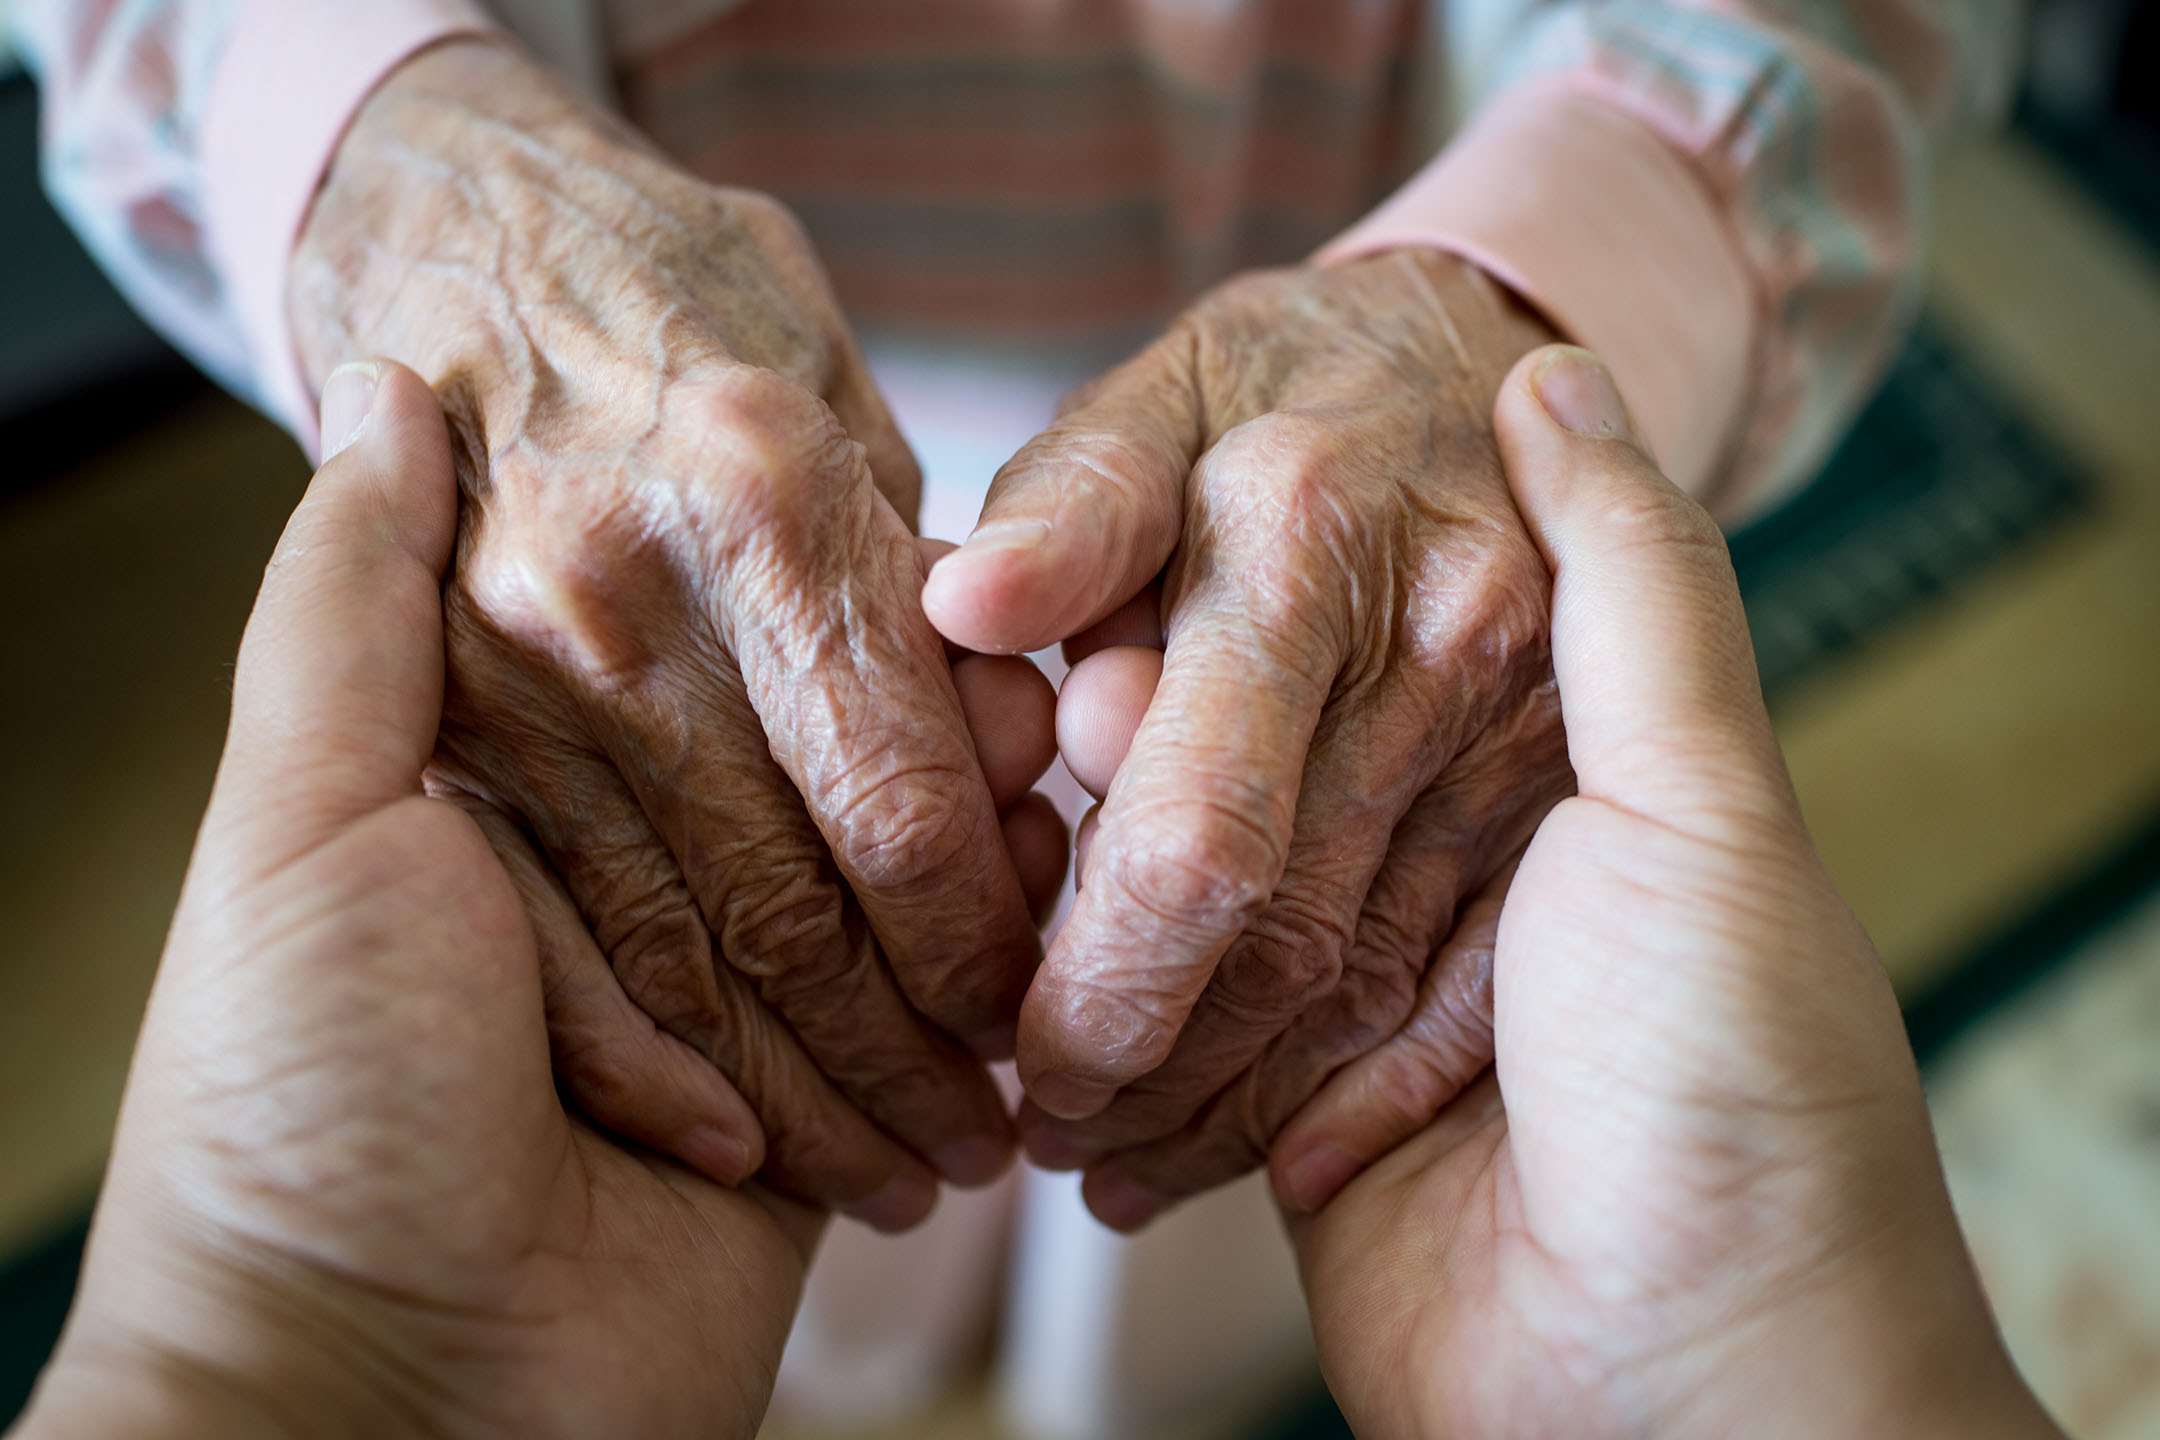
(1589, 216)
(292, 77)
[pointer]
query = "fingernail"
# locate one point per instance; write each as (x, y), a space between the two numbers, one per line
(1004, 535)
(1310, 1180)
(902, 1204)
(1068, 1096)
(1122, 1204)
(1578, 391)
(717, 1155)
(976, 1160)
(348, 398)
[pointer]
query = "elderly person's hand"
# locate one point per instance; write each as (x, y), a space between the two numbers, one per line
(1354, 724)
(687, 653)
(1701, 1196)
(345, 1198)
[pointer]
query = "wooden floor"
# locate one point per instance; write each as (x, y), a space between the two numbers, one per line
(1955, 772)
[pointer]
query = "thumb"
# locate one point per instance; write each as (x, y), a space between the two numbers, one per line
(1658, 688)
(338, 691)
(1082, 517)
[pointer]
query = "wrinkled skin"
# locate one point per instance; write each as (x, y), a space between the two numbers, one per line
(687, 654)
(345, 1198)
(1698, 1195)
(1352, 724)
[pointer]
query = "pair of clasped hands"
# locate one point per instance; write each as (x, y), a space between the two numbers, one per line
(603, 725)
(1694, 1194)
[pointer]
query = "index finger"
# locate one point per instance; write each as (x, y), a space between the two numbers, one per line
(857, 700)
(1195, 832)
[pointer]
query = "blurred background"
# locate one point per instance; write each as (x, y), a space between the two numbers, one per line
(1959, 627)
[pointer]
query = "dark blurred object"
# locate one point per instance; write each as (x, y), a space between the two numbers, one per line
(2089, 98)
(74, 359)
(2083, 55)
(1940, 477)
(35, 1289)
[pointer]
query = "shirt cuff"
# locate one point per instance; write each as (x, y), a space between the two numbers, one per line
(293, 75)
(1590, 217)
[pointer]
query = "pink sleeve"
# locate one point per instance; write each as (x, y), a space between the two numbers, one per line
(1723, 196)
(293, 75)
(184, 140)
(1592, 219)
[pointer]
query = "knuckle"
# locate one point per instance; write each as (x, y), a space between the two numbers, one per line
(1377, 992)
(662, 955)
(1476, 640)
(1262, 984)
(1098, 470)
(781, 921)
(1282, 507)
(1292, 955)
(1205, 862)
(1285, 472)
(784, 448)
(909, 827)
(1660, 518)
(1492, 605)
(1399, 916)
(793, 505)
(563, 592)
(1122, 1023)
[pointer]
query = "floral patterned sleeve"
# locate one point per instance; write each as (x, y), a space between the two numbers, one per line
(183, 139)
(1726, 197)
(123, 88)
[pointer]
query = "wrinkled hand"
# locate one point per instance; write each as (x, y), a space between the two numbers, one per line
(687, 655)
(1351, 725)
(1701, 1197)
(345, 1199)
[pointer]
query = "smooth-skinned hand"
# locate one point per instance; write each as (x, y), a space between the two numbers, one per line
(1295, 499)
(345, 1198)
(687, 655)
(1698, 1193)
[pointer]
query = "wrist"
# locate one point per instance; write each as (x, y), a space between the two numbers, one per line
(129, 1391)
(1486, 325)
(537, 264)
(235, 1340)
(438, 228)
(1880, 1356)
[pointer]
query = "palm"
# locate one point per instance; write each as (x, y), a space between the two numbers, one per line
(1576, 1243)
(421, 1167)
(1697, 1194)
(1477, 1353)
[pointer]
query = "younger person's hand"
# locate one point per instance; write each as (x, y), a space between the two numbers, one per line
(344, 1197)
(1699, 1196)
